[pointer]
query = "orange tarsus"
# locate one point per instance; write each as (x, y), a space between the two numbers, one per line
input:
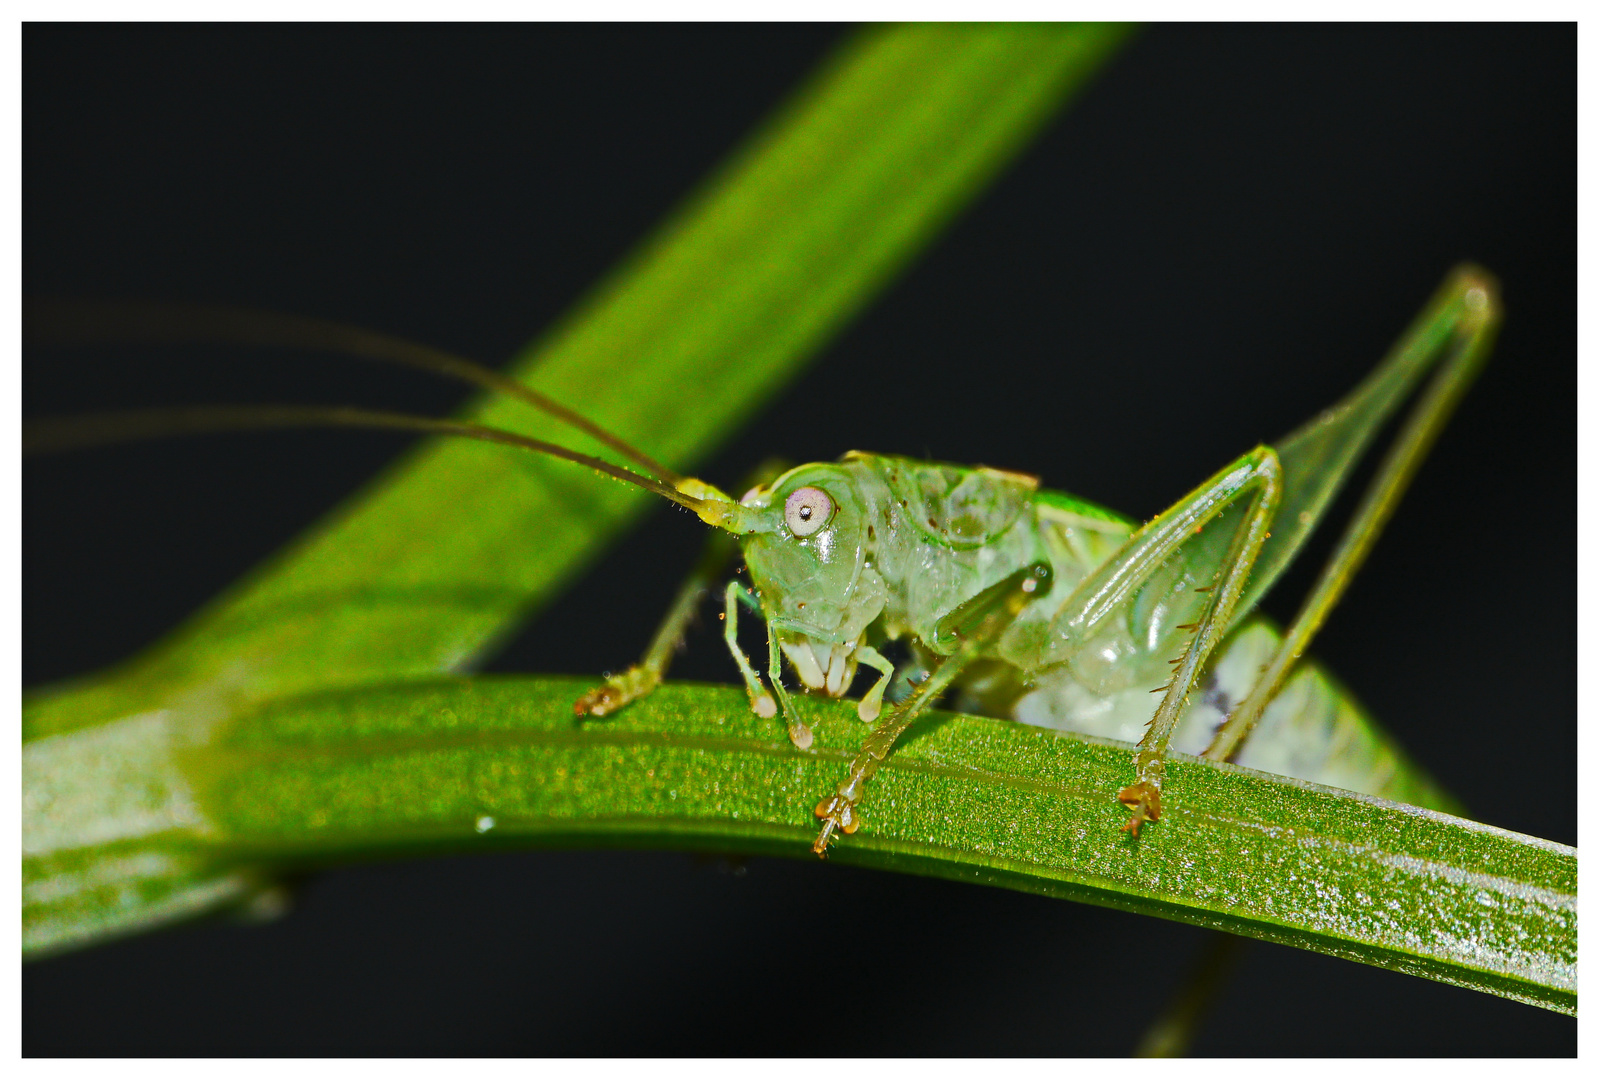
(598, 701)
(1143, 799)
(835, 812)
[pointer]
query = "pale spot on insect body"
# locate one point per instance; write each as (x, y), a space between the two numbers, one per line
(484, 824)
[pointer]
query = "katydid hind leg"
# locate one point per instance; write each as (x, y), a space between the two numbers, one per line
(1255, 481)
(1172, 1031)
(1454, 335)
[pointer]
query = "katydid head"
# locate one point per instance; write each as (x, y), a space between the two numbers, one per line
(808, 559)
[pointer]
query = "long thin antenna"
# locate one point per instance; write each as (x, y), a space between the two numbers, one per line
(79, 322)
(57, 434)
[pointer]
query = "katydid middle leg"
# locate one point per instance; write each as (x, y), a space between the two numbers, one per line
(1255, 477)
(974, 626)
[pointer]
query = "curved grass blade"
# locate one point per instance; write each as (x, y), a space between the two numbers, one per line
(464, 765)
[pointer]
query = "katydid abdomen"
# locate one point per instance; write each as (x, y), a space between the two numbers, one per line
(1313, 729)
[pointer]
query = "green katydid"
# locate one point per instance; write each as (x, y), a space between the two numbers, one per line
(1027, 603)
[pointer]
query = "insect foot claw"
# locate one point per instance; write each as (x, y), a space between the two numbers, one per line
(1143, 799)
(600, 701)
(835, 812)
(616, 691)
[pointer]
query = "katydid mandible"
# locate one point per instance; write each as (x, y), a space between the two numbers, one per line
(1018, 601)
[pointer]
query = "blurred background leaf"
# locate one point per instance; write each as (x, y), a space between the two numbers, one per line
(764, 262)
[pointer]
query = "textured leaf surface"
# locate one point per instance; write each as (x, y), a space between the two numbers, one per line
(501, 761)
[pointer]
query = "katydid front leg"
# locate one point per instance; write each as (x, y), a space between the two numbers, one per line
(871, 703)
(642, 678)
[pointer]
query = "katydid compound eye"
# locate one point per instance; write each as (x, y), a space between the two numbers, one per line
(807, 510)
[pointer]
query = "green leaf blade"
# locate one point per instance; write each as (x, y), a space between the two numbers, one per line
(502, 761)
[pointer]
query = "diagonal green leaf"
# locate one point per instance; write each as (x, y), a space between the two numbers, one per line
(464, 764)
(460, 542)
(771, 257)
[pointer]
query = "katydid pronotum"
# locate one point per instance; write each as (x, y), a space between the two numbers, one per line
(1019, 601)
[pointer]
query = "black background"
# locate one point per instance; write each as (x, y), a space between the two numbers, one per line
(1218, 239)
